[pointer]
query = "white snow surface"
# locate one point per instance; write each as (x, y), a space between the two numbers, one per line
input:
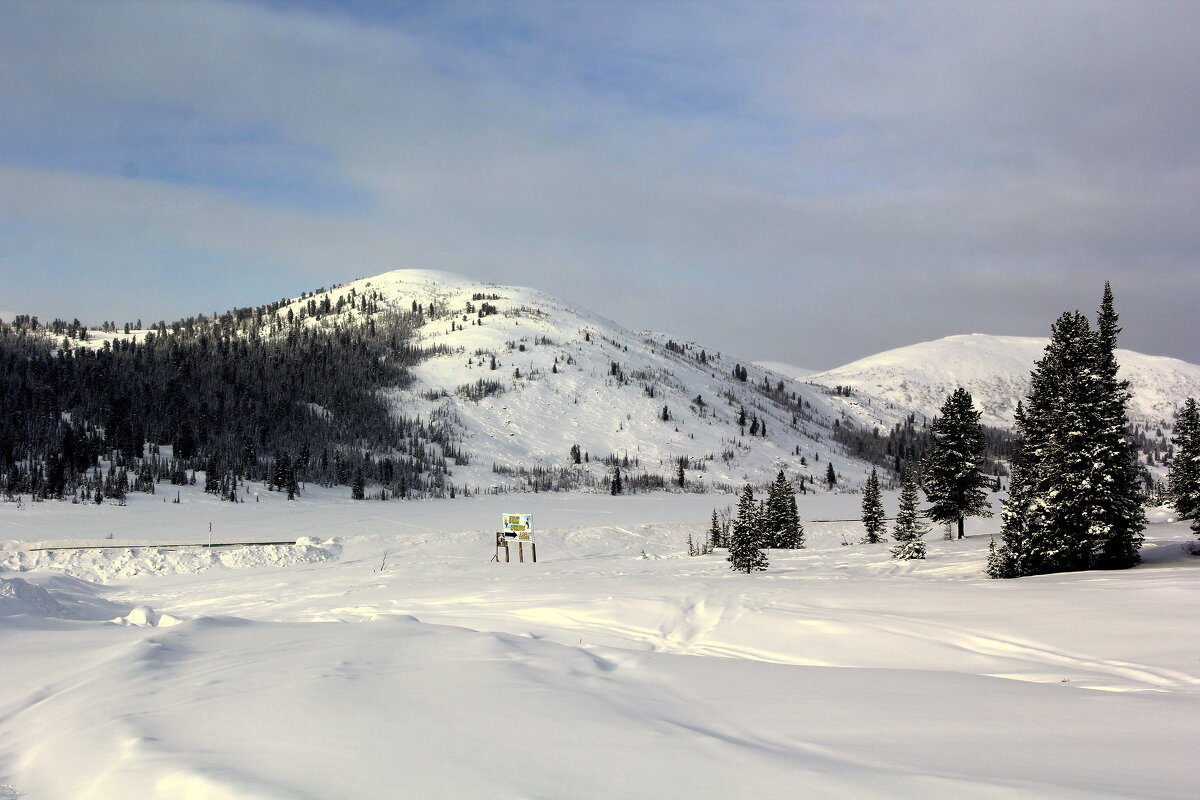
(786, 370)
(996, 370)
(405, 664)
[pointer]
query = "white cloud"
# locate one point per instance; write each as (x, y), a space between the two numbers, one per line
(849, 177)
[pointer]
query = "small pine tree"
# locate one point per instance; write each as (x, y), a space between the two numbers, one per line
(909, 528)
(872, 510)
(999, 563)
(358, 488)
(830, 476)
(1183, 482)
(616, 481)
(953, 470)
(714, 532)
(744, 553)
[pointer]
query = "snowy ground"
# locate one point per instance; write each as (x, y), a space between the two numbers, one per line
(385, 656)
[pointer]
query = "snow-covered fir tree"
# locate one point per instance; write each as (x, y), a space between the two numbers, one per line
(1117, 530)
(1074, 500)
(780, 521)
(1183, 482)
(997, 562)
(745, 554)
(909, 529)
(953, 469)
(872, 510)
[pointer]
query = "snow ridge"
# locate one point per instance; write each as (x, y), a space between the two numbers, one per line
(995, 370)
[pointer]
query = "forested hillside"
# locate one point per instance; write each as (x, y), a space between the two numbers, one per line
(253, 394)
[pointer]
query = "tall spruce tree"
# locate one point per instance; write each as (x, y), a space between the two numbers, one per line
(1074, 500)
(909, 529)
(1183, 481)
(953, 468)
(872, 510)
(1117, 529)
(745, 554)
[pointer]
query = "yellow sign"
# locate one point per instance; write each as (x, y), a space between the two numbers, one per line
(519, 526)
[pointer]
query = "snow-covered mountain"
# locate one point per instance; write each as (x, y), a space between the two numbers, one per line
(995, 370)
(536, 375)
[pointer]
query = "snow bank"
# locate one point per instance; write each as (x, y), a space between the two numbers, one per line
(104, 564)
(20, 597)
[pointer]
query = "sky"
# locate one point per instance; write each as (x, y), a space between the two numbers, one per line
(803, 182)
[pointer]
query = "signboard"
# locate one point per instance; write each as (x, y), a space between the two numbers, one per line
(519, 527)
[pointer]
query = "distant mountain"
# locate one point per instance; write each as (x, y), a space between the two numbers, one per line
(995, 370)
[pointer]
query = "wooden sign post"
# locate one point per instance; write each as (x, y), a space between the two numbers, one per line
(518, 528)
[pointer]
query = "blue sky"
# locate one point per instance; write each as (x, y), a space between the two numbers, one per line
(808, 182)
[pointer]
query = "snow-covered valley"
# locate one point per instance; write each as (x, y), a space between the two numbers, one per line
(385, 655)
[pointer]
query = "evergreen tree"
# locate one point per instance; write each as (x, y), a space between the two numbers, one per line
(1074, 500)
(744, 553)
(1117, 526)
(780, 523)
(830, 476)
(953, 469)
(794, 516)
(872, 510)
(714, 532)
(616, 481)
(909, 529)
(999, 565)
(293, 486)
(358, 488)
(212, 476)
(1183, 482)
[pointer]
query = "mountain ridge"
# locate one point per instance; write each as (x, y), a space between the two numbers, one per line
(995, 369)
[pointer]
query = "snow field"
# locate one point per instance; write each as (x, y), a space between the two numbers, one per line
(405, 664)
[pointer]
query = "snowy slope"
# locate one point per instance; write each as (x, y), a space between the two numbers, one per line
(786, 370)
(995, 370)
(555, 364)
(558, 387)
